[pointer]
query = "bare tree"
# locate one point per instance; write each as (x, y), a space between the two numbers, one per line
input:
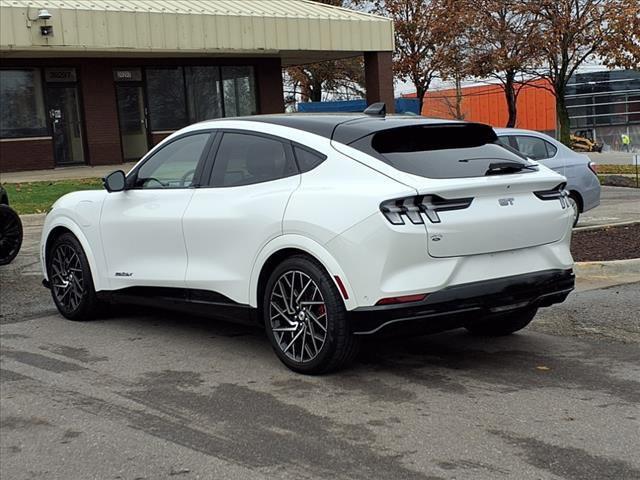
(424, 30)
(504, 44)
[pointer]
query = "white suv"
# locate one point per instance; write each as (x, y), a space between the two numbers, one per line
(322, 229)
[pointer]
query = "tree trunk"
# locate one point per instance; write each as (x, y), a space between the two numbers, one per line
(420, 93)
(564, 129)
(459, 114)
(316, 91)
(510, 96)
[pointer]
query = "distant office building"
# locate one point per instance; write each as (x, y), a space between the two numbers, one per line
(607, 105)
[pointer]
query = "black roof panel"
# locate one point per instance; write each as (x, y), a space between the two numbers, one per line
(344, 128)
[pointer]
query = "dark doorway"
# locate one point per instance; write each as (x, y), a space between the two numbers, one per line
(134, 133)
(66, 124)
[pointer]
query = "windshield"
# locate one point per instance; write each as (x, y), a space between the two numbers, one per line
(443, 151)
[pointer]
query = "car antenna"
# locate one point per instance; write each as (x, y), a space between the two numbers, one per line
(376, 109)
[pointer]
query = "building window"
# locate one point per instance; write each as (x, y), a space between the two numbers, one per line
(239, 91)
(165, 93)
(22, 111)
(203, 93)
(179, 96)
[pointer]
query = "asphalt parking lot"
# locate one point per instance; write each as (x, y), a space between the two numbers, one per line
(153, 395)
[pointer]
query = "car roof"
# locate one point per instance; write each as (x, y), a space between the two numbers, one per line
(344, 128)
(504, 131)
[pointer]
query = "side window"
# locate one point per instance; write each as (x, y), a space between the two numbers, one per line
(174, 165)
(307, 159)
(551, 149)
(532, 147)
(504, 141)
(244, 159)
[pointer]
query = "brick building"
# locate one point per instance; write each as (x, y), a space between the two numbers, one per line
(101, 81)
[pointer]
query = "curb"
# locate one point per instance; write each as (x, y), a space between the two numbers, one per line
(605, 226)
(608, 268)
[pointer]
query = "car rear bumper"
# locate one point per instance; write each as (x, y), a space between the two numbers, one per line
(453, 307)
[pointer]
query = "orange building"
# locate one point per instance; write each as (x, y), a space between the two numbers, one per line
(487, 104)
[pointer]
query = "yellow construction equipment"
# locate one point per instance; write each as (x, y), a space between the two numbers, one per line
(582, 141)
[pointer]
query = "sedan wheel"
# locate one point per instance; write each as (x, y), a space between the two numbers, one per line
(305, 318)
(576, 210)
(10, 234)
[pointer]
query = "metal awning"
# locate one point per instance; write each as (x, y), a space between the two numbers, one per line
(298, 31)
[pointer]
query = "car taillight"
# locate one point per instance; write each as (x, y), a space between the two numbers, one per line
(556, 193)
(593, 166)
(402, 299)
(413, 207)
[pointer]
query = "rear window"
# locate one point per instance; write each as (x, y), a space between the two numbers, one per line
(443, 151)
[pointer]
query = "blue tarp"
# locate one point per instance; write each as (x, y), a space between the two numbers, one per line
(403, 105)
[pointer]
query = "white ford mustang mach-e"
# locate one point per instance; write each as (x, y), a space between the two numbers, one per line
(321, 228)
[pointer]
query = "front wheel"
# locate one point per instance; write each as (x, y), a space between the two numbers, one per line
(305, 318)
(505, 324)
(70, 279)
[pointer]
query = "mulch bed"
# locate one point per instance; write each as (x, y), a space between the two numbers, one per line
(614, 243)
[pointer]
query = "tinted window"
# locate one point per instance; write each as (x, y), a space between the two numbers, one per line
(238, 86)
(532, 147)
(203, 93)
(243, 159)
(307, 159)
(551, 149)
(504, 141)
(174, 165)
(165, 91)
(442, 151)
(23, 113)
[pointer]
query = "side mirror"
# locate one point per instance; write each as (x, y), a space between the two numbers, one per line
(115, 181)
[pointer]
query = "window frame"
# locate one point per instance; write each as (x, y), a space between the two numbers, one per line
(132, 176)
(215, 149)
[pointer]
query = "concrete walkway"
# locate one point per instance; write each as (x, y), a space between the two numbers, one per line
(63, 173)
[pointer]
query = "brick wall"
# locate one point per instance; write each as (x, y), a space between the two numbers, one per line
(156, 138)
(100, 112)
(269, 84)
(16, 156)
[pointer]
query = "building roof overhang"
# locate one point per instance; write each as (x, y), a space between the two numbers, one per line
(297, 31)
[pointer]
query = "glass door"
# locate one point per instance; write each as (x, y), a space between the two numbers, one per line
(66, 124)
(134, 133)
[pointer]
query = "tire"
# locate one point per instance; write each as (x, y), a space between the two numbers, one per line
(70, 278)
(575, 204)
(309, 338)
(10, 234)
(501, 325)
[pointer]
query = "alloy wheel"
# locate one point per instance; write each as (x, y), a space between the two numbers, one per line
(10, 235)
(298, 316)
(67, 279)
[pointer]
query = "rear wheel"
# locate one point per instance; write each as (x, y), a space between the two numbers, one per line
(575, 205)
(10, 234)
(70, 279)
(305, 318)
(505, 324)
